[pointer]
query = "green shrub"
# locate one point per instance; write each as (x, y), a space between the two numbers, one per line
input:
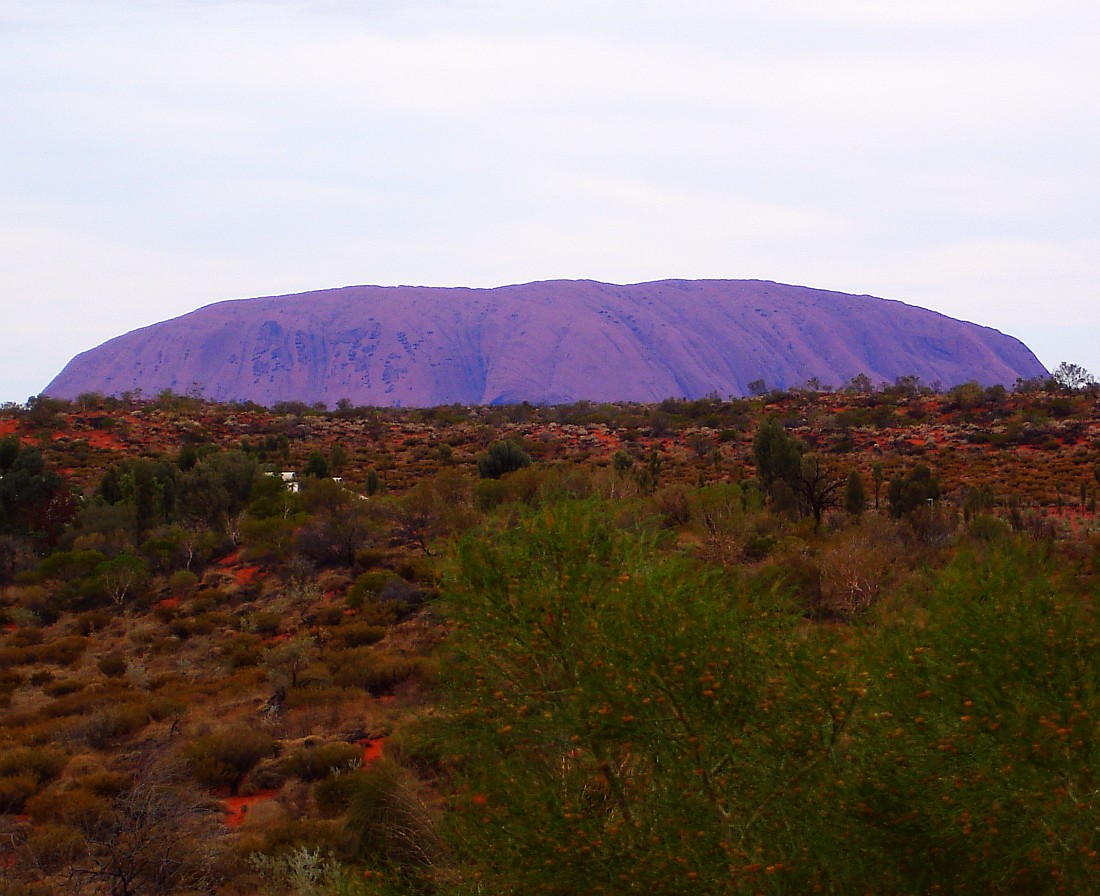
(27, 636)
(298, 834)
(417, 570)
(334, 792)
(74, 806)
(183, 582)
(271, 538)
(113, 665)
(490, 494)
(401, 598)
(759, 547)
(10, 657)
(267, 774)
(243, 651)
(621, 719)
(42, 763)
(62, 652)
(15, 790)
(164, 707)
(373, 670)
(190, 626)
(76, 703)
(980, 743)
(9, 681)
(35, 599)
(92, 621)
(388, 822)
(329, 616)
(357, 634)
(111, 723)
(63, 687)
(68, 565)
(105, 783)
(207, 599)
(263, 623)
(315, 763)
(53, 847)
(368, 586)
(500, 458)
(367, 558)
(988, 528)
(316, 695)
(223, 758)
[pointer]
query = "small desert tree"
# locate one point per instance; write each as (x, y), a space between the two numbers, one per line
(786, 471)
(1073, 376)
(778, 456)
(121, 577)
(877, 477)
(855, 494)
(500, 458)
(817, 487)
(155, 835)
(915, 489)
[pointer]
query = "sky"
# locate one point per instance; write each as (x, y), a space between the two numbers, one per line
(158, 156)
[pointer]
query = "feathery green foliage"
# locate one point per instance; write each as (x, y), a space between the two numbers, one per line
(622, 720)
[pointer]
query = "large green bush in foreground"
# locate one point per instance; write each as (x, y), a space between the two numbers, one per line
(625, 720)
(975, 765)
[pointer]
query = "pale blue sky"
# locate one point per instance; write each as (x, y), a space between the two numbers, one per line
(158, 156)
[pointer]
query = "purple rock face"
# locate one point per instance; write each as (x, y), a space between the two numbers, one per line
(551, 342)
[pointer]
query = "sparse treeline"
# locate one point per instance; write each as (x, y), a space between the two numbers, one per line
(801, 642)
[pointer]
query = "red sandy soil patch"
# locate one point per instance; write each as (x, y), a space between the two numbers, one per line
(236, 807)
(104, 440)
(169, 602)
(246, 575)
(1078, 521)
(372, 749)
(8, 427)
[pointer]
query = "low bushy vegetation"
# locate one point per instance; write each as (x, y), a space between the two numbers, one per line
(623, 719)
(805, 642)
(222, 759)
